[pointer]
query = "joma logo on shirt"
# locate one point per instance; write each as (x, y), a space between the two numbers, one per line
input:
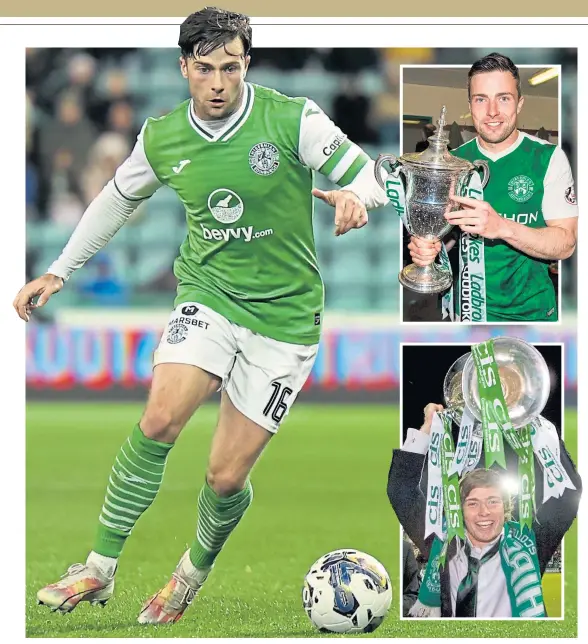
(522, 217)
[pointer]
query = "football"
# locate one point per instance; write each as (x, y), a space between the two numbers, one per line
(347, 591)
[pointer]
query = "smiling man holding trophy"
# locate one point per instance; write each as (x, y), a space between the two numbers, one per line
(524, 218)
(486, 556)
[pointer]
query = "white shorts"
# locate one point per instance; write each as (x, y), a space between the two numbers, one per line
(261, 376)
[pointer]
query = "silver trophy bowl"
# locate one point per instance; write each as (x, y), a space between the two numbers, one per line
(524, 377)
(453, 389)
(430, 178)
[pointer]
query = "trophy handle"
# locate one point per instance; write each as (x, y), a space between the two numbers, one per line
(382, 158)
(483, 165)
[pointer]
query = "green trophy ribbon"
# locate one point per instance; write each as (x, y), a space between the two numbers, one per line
(495, 419)
(496, 424)
(527, 480)
(451, 498)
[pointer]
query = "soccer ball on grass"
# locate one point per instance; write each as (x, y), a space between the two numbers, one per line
(347, 591)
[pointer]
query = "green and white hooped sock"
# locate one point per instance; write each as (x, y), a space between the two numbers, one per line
(217, 518)
(134, 482)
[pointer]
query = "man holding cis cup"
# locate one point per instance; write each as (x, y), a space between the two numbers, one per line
(487, 505)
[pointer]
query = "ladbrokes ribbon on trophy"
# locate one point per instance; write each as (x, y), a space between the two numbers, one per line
(395, 192)
(471, 282)
(472, 277)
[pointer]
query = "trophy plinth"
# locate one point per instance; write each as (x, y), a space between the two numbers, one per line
(425, 279)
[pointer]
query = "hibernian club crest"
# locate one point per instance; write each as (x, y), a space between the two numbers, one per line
(264, 158)
(521, 188)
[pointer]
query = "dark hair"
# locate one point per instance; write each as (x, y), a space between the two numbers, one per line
(494, 63)
(210, 28)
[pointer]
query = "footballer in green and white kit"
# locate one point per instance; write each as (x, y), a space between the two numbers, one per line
(531, 184)
(527, 217)
(249, 304)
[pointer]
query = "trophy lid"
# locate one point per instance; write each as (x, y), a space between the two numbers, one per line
(437, 155)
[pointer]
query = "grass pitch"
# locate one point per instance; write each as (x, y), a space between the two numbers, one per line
(321, 485)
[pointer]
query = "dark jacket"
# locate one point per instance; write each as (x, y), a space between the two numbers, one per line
(410, 578)
(407, 486)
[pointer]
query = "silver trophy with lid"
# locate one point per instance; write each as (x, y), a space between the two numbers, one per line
(428, 180)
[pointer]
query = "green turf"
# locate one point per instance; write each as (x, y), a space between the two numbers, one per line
(319, 486)
(552, 593)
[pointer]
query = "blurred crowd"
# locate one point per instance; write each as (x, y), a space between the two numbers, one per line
(81, 125)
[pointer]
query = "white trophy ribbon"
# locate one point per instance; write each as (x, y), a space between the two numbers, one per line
(464, 441)
(434, 517)
(476, 449)
(546, 448)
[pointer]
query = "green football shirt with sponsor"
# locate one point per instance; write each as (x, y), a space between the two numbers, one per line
(249, 252)
(530, 182)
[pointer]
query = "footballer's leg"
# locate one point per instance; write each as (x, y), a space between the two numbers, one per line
(264, 382)
(178, 388)
(222, 502)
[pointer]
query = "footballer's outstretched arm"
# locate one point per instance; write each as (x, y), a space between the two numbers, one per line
(134, 181)
(326, 149)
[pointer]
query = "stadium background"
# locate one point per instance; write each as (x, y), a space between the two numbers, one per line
(89, 350)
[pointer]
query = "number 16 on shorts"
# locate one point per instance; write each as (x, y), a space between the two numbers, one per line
(277, 405)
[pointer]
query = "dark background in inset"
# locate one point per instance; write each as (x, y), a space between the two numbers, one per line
(424, 368)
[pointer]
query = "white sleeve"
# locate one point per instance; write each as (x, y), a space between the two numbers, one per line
(367, 188)
(416, 441)
(559, 197)
(326, 149)
(101, 220)
(135, 178)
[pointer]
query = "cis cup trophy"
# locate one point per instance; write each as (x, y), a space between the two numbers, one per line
(423, 196)
(524, 379)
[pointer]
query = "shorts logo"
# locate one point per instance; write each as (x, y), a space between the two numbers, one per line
(571, 196)
(190, 309)
(264, 158)
(521, 188)
(177, 333)
(225, 205)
